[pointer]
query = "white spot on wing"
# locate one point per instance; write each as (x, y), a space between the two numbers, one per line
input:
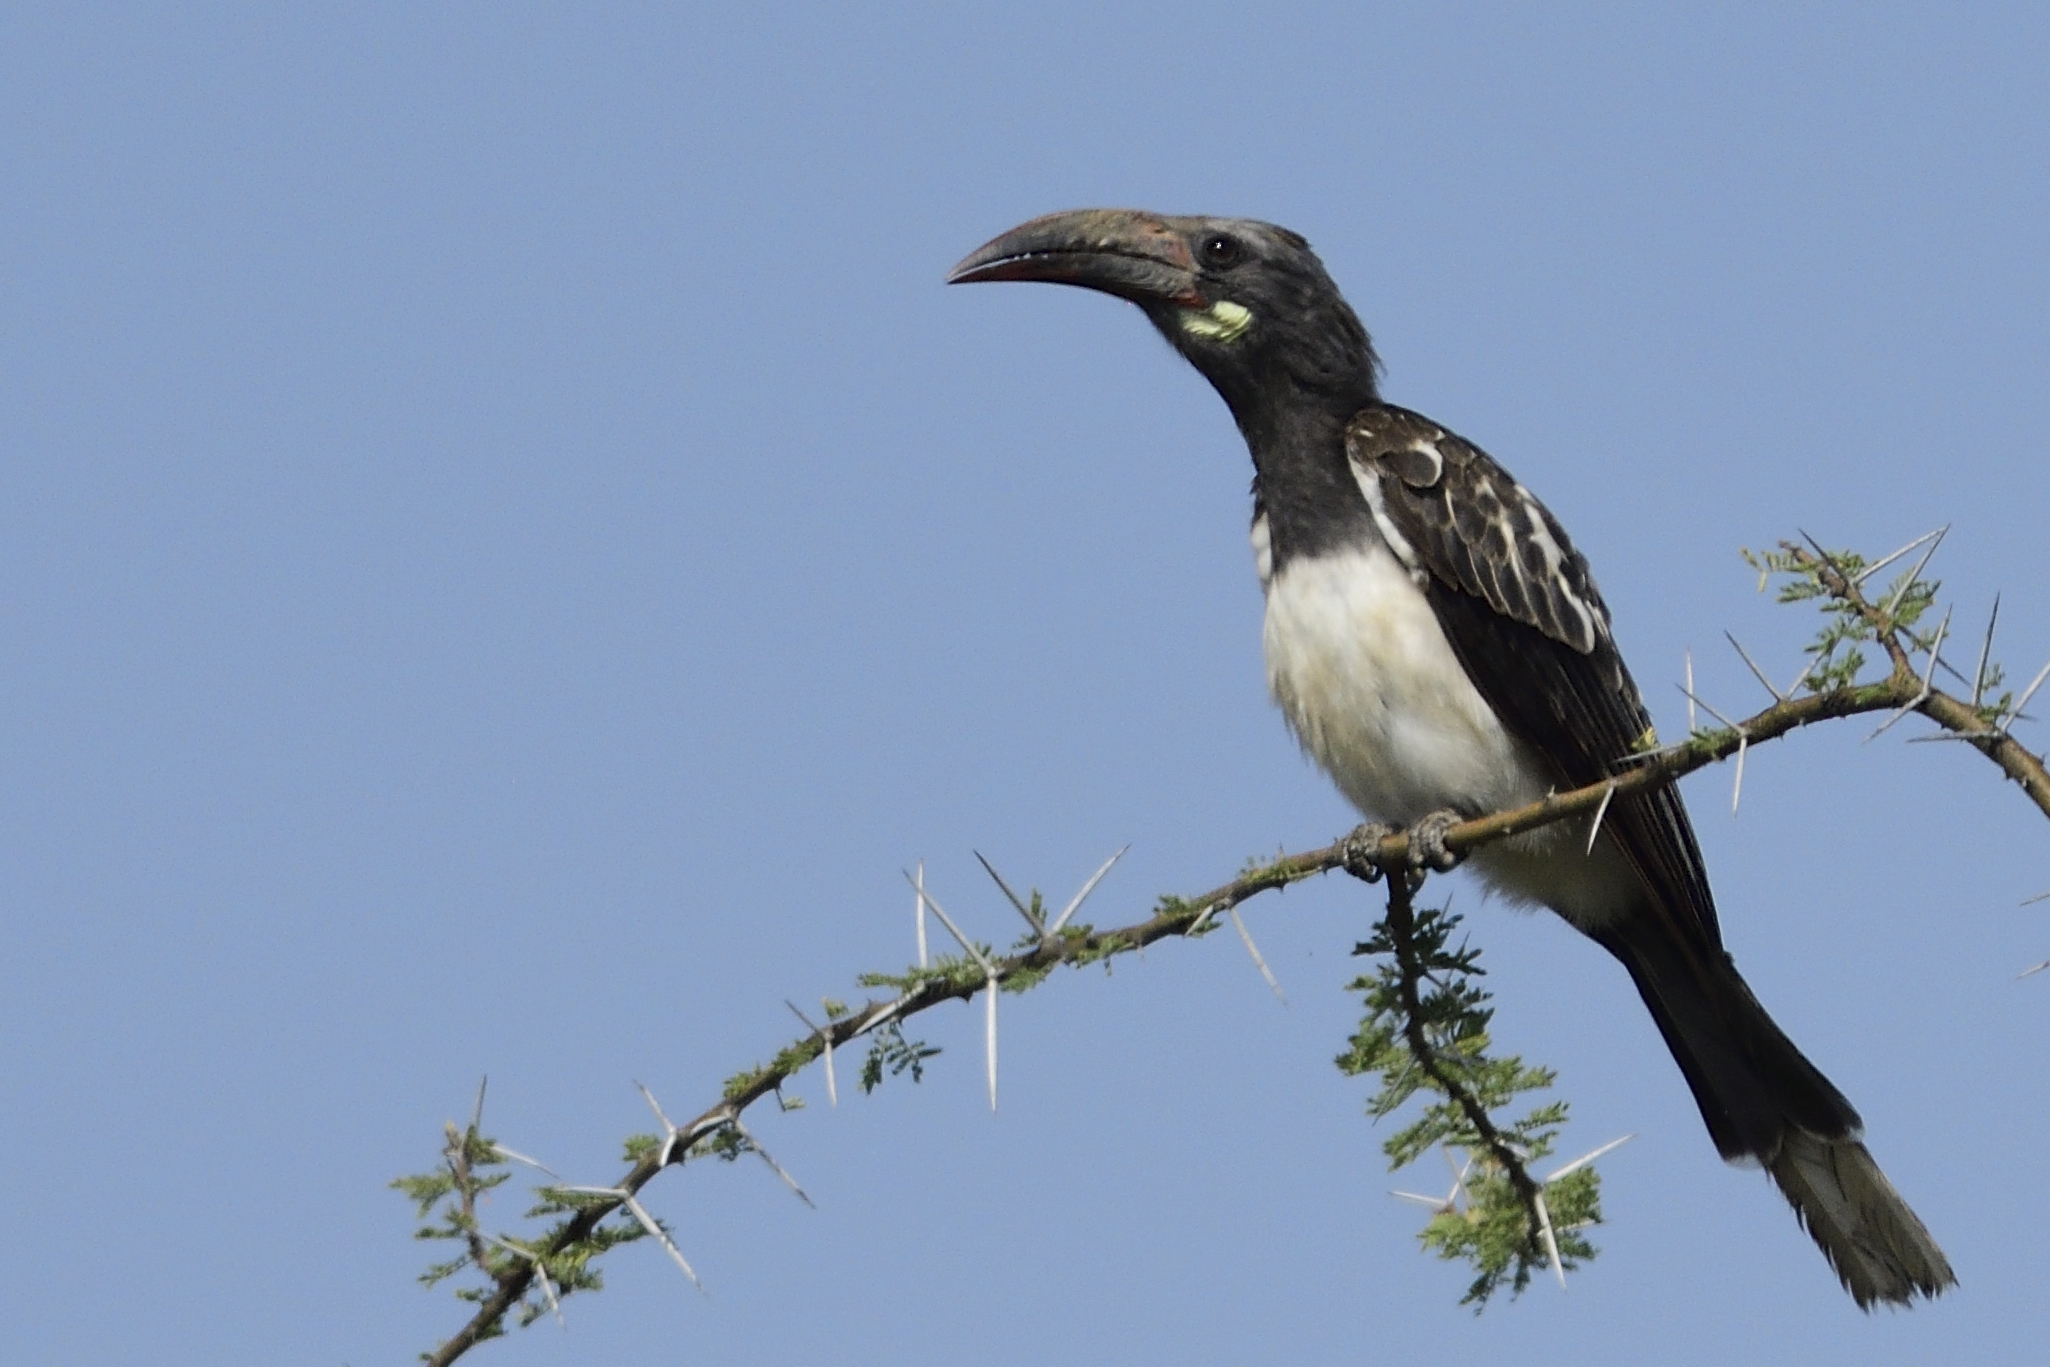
(1559, 585)
(1369, 480)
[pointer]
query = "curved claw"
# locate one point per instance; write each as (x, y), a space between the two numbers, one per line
(1363, 848)
(1427, 842)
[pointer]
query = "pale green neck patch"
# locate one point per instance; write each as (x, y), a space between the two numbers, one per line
(1223, 321)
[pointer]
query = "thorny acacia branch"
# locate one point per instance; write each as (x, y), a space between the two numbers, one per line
(1837, 578)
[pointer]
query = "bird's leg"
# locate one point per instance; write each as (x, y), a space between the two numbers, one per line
(1427, 841)
(1363, 847)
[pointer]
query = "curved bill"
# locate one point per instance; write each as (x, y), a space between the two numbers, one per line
(1133, 255)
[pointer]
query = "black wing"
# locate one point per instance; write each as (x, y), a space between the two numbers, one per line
(1523, 615)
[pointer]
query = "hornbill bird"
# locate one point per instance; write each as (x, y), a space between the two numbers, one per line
(1440, 649)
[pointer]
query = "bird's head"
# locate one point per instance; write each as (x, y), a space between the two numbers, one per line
(1248, 303)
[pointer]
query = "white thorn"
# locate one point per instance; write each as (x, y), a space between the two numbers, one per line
(884, 1016)
(1038, 928)
(2037, 969)
(647, 1221)
(1928, 679)
(1915, 573)
(1437, 1205)
(1801, 678)
(1756, 672)
(1076, 904)
(989, 1026)
(1737, 791)
(540, 1271)
(1596, 828)
(1689, 691)
(825, 1038)
(669, 1130)
(1985, 651)
(516, 1156)
(1727, 723)
(954, 930)
(1551, 1241)
(1878, 565)
(1590, 1156)
(919, 884)
(774, 1166)
(1258, 962)
(1645, 756)
(2035, 684)
(1458, 1171)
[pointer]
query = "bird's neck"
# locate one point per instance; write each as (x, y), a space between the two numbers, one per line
(1302, 480)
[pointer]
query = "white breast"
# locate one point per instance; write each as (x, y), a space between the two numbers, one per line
(1370, 686)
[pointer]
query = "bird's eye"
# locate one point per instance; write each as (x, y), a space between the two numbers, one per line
(1221, 250)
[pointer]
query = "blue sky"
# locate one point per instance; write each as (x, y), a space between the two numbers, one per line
(507, 549)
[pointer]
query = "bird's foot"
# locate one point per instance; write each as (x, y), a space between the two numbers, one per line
(1362, 850)
(1427, 842)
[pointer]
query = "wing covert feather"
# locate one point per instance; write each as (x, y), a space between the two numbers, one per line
(1521, 610)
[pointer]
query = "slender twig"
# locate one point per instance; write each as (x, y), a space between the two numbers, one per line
(458, 1155)
(1401, 923)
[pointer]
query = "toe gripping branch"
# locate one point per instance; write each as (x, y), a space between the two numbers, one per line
(1427, 842)
(1362, 850)
(1423, 849)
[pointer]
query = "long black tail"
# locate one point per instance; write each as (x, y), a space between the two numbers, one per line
(1763, 1101)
